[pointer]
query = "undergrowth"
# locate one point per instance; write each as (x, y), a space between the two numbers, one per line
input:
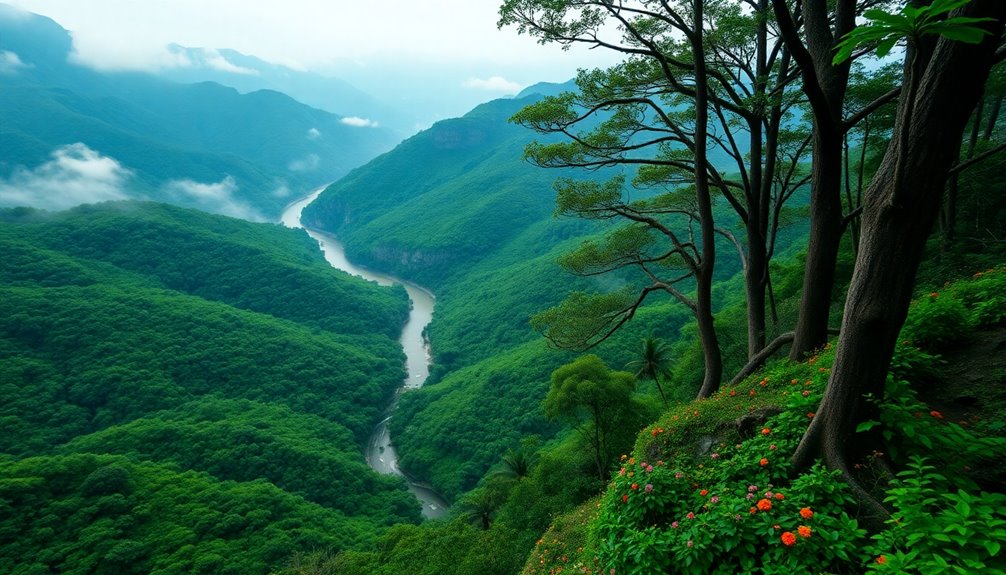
(708, 488)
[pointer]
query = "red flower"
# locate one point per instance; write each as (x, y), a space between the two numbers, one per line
(881, 560)
(635, 486)
(788, 539)
(763, 462)
(936, 414)
(810, 414)
(625, 499)
(704, 492)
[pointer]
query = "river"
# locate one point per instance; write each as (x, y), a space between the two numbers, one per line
(380, 452)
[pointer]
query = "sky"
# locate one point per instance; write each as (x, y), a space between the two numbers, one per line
(453, 44)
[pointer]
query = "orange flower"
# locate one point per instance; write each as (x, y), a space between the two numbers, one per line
(764, 504)
(810, 414)
(763, 462)
(804, 531)
(936, 414)
(788, 539)
(806, 513)
(765, 431)
(753, 510)
(635, 486)
(780, 496)
(881, 560)
(704, 492)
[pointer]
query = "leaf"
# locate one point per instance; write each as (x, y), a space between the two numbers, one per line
(867, 425)
(992, 547)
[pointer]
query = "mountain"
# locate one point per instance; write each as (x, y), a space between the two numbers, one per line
(71, 134)
(191, 390)
(248, 74)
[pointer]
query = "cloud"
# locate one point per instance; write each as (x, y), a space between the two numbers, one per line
(75, 175)
(493, 84)
(305, 164)
(313, 134)
(358, 122)
(216, 197)
(10, 62)
(215, 60)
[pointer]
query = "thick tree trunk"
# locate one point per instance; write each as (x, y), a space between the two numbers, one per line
(898, 217)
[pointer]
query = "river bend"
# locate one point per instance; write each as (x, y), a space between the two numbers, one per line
(380, 452)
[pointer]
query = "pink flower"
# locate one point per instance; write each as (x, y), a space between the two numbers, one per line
(690, 515)
(751, 496)
(648, 488)
(752, 488)
(679, 475)
(690, 544)
(714, 499)
(674, 525)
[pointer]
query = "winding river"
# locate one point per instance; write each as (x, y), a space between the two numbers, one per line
(380, 452)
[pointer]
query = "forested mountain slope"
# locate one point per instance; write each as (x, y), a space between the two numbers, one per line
(221, 357)
(201, 145)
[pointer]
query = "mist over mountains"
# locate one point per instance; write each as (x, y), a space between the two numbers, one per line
(72, 134)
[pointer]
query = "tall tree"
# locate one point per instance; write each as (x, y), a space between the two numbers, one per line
(694, 81)
(944, 78)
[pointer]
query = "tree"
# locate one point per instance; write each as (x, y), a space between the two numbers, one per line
(653, 363)
(597, 401)
(944, 77)
(695, 81)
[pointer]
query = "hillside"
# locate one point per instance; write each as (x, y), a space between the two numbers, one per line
(200, 145)
(144, 345)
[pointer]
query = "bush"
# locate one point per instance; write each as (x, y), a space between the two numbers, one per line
(936, 322)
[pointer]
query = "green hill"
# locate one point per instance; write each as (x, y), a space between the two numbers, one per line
(223, 357)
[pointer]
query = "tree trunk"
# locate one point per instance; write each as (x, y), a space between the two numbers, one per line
(825, 86)
(901, 205)
(704, 278)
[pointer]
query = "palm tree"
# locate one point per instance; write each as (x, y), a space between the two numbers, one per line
(481, 503)
(653, 363)
(517, 464)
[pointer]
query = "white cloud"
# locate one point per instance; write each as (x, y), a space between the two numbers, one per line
(358, 122)
(214, 59)
(281, 192)
(493, 84)
(313, 134)
(305, 164)
(75, 175)
(217, 197)
(10, 62)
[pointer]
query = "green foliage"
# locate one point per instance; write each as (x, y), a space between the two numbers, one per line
(236, 418)
(937, 527)
(82, 514)
(936, 322)
(913, 22)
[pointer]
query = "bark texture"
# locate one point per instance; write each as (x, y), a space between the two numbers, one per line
(900, 207)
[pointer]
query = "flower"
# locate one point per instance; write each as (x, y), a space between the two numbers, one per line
(751, 496)
(753, 510)
(625, 499)
(679, 475)
(788, 539)
(772, 447)
(806, 393)
(690, 544)
(765, 431)
(881, 560)
(714, 499)
(804, 531)
(810, 414)
(674, 524)
(936, 414)
(635, 486)
(704, 492)
(648, 488)
(690, 515)
(715, 456)
(763, 462)
(780, 496)
(764, 504)
(806, 513)
(752, 488)
(649, 469)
